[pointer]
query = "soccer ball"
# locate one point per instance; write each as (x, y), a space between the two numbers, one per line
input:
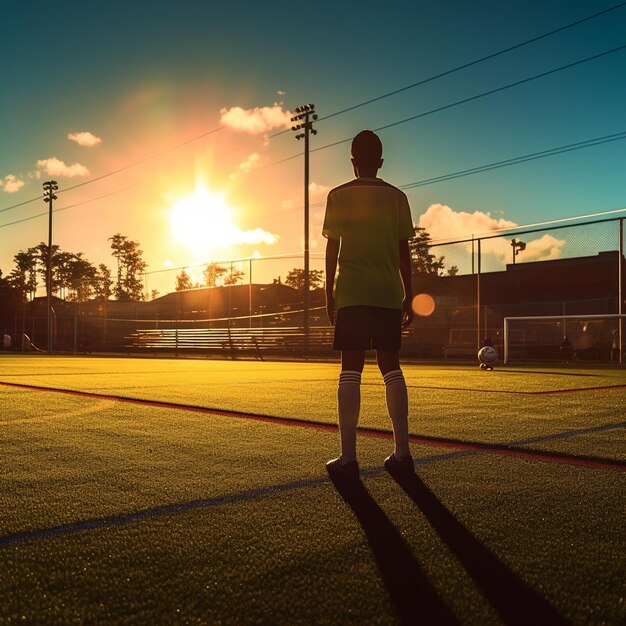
(487, 355)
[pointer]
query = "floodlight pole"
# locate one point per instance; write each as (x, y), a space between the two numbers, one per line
(49, 187)
(620, 291)
(306, 116)
(518, 246)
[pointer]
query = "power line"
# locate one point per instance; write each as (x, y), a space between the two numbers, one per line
(462, 101)
(489, 233)
(587, 143)
(71, 206)
(120, 169)
(14, 206)
(342, 111)
(520, 159)
(471, 63)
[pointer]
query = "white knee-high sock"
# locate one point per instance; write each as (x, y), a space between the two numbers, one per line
(348, 404)
(398, 407)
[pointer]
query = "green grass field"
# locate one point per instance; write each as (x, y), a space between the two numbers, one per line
(131, 503)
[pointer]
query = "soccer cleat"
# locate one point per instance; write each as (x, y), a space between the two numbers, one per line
(343, 471)
(404, 466)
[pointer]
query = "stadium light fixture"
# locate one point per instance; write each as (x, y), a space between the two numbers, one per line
(306, 116)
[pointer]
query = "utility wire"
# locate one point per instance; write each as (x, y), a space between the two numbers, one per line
(462, 101)
(471, 63)
(340, 112)
(521, 159)
(587, 143)
(489, 233)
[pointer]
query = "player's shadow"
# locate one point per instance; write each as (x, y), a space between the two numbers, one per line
(515, 602)
(415, 599)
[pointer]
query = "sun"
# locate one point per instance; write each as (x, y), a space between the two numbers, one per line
(203, 222)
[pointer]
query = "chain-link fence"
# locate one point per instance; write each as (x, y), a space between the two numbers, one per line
(553, 270)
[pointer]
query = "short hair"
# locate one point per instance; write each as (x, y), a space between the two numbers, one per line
(367, 148)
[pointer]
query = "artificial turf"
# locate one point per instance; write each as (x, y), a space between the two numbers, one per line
(241, 524)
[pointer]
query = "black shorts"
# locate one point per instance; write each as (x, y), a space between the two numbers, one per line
(368, 327)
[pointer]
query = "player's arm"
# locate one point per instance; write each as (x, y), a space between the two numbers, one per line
(405, 274)
(332, 253)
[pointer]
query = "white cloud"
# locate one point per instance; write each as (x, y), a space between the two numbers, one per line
(280, 92)
(11, 183)
(85, 139)
(318, 192)
(257, 120)
(250, 163)
(56, 167)
(443, 222)
(287, 204)
(258, 235)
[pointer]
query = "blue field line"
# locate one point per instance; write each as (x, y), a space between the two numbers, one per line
(146, 514)
(566, 434)
(243, 496)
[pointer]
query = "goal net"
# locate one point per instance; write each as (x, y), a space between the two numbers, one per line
(593, 338)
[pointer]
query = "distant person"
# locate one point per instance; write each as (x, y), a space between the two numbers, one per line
(6, 341)
(368, 225)
(615, 346)
(566, 350)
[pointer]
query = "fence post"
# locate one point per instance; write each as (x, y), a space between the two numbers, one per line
(620, 294)
(250, 293)
(506, 340)
(478, 341)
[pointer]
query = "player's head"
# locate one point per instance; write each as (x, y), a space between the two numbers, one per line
(367, 151)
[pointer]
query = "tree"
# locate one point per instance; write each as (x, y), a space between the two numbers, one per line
(42, 259)
(130, 267)
(73, 276)
(423, 261)
(183, 281)
(103, 283)
(82, 278)
(453, 270)
(212, 273)
(24, 275)
(233, 277)
(295, 279)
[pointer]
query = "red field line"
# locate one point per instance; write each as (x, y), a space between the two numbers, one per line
(601, 388)
(501, 449)
(516, 392)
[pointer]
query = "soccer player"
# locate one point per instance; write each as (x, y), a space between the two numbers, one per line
(368, 226)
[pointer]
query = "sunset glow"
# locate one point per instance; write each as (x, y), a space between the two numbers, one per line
(203, 222)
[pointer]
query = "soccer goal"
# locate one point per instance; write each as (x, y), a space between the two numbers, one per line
(594, 338)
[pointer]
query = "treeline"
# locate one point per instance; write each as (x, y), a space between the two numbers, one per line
(75, 278)
(217, 275)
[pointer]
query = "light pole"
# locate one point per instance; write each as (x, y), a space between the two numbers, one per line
(306, 116)
(49, 187)
(517, 246)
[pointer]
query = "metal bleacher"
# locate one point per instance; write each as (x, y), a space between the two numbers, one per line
(231, 341)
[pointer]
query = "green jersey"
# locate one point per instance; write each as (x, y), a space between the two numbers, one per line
(369, 217)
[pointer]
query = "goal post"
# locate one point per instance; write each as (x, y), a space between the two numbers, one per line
(593, 338)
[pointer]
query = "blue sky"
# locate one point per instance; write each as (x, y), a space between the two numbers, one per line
(143, 77)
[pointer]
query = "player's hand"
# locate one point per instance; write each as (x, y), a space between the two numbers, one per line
(330, 309)
(407, 313)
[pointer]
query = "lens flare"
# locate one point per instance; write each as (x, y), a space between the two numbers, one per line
(423, 304)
